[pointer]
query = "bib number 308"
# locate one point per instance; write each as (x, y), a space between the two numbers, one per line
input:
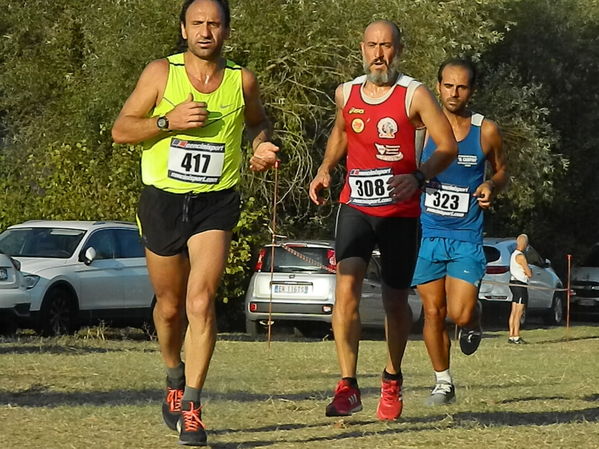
(369, 187)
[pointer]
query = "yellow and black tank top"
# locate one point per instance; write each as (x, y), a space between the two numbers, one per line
(202, 159)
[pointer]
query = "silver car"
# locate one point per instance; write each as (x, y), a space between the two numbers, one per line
(14, 297)
(79, 272)
(543, 298)
(585, 283)
(302, 289)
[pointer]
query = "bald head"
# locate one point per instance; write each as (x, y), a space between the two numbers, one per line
(522, 242)
(379, 25)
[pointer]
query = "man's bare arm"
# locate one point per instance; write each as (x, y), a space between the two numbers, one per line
(521, 259)
(336, 149)
(438, 128)
(426, 111)
(258, 126)
(133, 125)
(493, 147)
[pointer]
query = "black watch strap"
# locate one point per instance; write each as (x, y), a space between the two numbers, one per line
(162, 123)
(419, 177)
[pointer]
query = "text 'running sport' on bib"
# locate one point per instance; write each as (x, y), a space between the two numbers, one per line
(196, 161)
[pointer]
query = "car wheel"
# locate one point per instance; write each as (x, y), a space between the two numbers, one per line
(314, 330)
(555, 315)
(252, 328)
(58, 313)
(8, 327)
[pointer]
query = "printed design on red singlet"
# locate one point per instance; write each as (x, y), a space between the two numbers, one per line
(388, 153)
(356, 111)
(357, 125)
(387, 128)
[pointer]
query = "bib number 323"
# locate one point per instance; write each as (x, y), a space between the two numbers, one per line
(447, 200)
(195, 161)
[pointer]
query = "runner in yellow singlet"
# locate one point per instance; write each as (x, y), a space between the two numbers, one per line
(190, 110)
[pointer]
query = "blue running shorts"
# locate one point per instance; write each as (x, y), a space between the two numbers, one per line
(439, 257)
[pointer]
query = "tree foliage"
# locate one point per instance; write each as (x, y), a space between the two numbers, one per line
(67, 66)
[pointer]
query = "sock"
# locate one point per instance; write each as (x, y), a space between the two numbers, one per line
(388, 376)
(352, 381)
(191, 394)
(443, 376)
(176, 374)
(513, 338)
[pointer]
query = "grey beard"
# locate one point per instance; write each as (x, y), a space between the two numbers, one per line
(381, 78)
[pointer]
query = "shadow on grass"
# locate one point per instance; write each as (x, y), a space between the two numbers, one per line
(40, 395)
(565, 339)
(54, 349)
(463, 420)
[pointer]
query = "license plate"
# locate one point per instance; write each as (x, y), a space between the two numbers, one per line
(586, 302)
(294, 289)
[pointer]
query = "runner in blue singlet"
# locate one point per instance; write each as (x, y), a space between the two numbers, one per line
(451, 262)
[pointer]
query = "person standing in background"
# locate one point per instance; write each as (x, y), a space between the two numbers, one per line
(520, 273)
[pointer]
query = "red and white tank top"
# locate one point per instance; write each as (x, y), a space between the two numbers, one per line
(381, 143)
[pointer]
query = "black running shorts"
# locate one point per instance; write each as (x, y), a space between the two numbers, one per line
(357, 234)
(519, 292)
(167, 220)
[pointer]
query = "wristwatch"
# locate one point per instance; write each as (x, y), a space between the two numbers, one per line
(420, 178)
(162, 123)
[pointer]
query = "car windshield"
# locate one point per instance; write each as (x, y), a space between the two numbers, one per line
(310, 259)
(40, 242)
(592, 259)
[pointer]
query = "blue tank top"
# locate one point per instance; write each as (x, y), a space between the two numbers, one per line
(448, 208)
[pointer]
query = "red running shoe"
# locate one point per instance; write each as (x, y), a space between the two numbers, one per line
(390, 403)
(346, 400)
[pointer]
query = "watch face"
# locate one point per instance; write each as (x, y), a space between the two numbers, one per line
(162, 123)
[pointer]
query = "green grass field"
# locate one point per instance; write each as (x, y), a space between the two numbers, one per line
(92, 392)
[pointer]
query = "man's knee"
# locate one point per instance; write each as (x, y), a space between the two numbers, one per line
(462, 316)
(168, 308)
(434, 314)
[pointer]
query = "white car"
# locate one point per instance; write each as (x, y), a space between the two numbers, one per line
(302, 289)
(14, 297)
(545, 298)
(80, 272)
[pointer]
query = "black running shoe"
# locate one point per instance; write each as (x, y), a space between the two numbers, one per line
(192, 431)
(470, 338)
(171, 407)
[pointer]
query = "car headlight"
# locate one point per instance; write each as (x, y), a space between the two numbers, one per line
(31, 280)
(3, 274)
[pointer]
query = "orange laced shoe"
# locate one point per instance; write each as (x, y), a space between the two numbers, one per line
(171, 406)
(192, 431)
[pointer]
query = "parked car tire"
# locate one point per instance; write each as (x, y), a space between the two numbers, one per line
(58, 313)
(555, 315)
(314, 329)
(252, 328)
(8, 327)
